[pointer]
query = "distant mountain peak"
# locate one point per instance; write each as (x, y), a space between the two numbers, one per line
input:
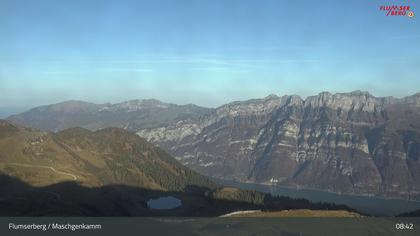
(271, 96)
(138, 104)
(325, 94)
(68, 106)
(144, 101)
(361, 93)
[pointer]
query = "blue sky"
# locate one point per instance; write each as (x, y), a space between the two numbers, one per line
(202, 52)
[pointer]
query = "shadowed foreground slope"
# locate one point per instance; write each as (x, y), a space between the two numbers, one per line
(72, 199)
(110, 172)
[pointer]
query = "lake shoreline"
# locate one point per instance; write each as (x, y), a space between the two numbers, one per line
(316, 189)
(370, 205)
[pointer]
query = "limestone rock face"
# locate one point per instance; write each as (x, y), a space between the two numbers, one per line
(346, 142)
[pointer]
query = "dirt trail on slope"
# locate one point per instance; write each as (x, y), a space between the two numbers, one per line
(45, 167)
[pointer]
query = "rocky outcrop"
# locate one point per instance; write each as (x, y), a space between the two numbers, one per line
(345, 142)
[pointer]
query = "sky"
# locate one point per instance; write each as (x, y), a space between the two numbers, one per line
(202, 52)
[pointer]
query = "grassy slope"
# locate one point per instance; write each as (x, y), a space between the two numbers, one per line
(80, 172)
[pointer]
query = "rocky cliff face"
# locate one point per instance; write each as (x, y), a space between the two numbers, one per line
(349, 143)
(346, 142)
(110, 172)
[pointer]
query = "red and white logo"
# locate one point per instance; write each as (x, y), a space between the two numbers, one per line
(396, 10)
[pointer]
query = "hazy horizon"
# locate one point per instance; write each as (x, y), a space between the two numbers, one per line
(7, 111)
(206, 53)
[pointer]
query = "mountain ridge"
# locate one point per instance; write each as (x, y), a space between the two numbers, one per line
(344, 142)
(110, 172)
(332, 142)
(414, 99)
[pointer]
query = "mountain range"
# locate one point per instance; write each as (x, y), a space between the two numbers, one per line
(110, 172)
(346, 142)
